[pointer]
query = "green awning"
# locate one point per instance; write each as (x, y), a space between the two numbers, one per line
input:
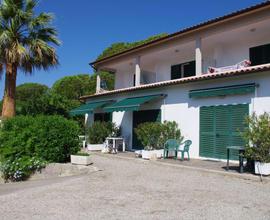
(223, 91)
(131, 104)
(88, 108)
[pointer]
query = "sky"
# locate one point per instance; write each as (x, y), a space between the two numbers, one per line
(86, 27)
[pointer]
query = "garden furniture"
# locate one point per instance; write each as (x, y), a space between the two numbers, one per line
(185, 149)
(241, 151)
(240, 65)
(82, 139)
(170, 145)
(114, 147)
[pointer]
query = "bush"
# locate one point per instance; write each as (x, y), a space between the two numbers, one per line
(257, 137)
(170, 130)
(153, 135)
(51, 138)
(21, 168)
(150, 135)
(98, 132)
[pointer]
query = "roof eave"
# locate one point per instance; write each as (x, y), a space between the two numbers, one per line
(249, 70)
(185, 31)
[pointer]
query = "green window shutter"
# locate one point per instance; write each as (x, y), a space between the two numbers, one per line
(207, 131)
(238, 125)
(222, 133)
(176, 72)
(221, 126)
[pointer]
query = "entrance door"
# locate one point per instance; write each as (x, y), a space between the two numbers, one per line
(140, 117)
(220, 126)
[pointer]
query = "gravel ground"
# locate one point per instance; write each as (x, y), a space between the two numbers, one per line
(136, 189)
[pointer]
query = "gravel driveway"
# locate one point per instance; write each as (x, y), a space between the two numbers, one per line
(136, 189)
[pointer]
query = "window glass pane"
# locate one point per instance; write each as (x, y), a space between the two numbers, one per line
(189, 69)
(176, 72)
(259, 55)
(183, 70)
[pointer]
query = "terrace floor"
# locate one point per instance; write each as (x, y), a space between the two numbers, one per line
(125, 187)
(195, 164)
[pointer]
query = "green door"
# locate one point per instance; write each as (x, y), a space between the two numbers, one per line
(221, 126)
(140, 117)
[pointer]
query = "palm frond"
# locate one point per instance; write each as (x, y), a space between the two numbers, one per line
(27, 39)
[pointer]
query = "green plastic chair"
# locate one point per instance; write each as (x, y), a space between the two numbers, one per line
(170, 145)
(187, 144)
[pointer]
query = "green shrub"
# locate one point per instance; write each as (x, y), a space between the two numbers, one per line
(51, 138)
(153, 135)
(257, 137)
(170, 130)
(20, 168)
(98, 132)
(150, 135)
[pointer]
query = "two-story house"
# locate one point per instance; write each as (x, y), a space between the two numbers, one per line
(170, 79)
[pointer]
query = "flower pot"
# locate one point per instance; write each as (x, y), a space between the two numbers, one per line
(159, 153)
(138, 153)
(262, 168)
(80, 160)
(148, 154)
(95, 147)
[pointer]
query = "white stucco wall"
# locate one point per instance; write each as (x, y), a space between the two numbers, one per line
(177, 106)
(225, 47)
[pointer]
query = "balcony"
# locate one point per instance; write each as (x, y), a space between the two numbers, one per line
(193, 55)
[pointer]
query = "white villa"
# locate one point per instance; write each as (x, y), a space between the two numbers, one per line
(192, 77)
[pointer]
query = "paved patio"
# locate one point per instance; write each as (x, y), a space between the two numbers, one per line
(128, 188)
(196, 164)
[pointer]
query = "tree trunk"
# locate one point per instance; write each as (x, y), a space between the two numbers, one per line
(8, 109)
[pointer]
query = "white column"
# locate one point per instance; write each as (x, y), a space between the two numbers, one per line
(137, 71)
(198, 56)
(98, 83)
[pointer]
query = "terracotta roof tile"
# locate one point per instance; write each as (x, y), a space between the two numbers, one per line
(208, 76)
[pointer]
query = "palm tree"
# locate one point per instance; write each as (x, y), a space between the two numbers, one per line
(26, 43)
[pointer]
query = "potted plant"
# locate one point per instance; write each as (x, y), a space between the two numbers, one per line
(98, 132)
(257, 137)
(81, 158)
(153, 135)
(149, 134)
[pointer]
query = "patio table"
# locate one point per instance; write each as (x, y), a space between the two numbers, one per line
(241, 150)
(114, 139)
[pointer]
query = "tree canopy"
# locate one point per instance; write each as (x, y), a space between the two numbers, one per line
(34, 98)
(27, 41)
(28, 97)
(122, 46)
(72, 87)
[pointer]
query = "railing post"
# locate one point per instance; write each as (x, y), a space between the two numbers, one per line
(198, 56)
(137, 71)
(98, 87)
